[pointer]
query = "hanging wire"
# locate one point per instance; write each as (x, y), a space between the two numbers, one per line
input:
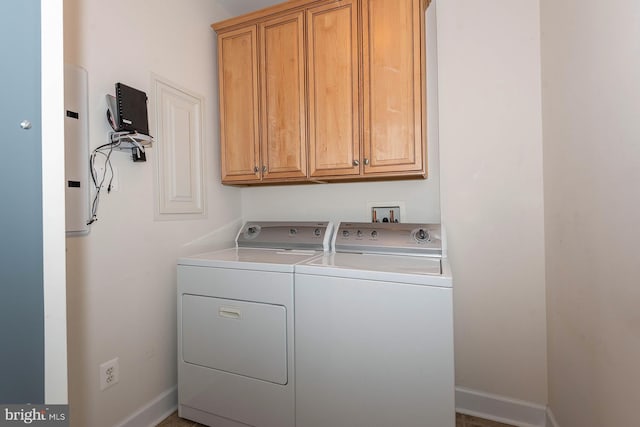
(104, 150)
(115, 141)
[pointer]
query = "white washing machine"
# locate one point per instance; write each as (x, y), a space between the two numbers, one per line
(235, 326)
(374, 330)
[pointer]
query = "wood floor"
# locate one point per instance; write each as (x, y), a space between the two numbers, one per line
(469, 421)
(174, 421)
(461, 421)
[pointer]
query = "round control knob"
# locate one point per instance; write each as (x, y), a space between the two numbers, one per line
(422, 235)
(374, 234)
(317, 232)
(359, 233)
(345, 233)
(293, 232)
(252, 232)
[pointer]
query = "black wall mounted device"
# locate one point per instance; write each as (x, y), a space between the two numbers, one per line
(127, 111)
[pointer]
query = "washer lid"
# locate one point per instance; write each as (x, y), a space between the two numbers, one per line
(417, 270)
(285, 235)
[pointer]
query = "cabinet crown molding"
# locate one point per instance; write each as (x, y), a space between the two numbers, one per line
(247, 18)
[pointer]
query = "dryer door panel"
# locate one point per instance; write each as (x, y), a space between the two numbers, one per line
(240, 337)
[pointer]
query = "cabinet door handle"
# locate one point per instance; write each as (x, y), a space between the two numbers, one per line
(256, 169)
(264, 169)
(356, 163)
(366, 162)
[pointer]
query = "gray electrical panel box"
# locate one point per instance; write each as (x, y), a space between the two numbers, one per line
(76, 155)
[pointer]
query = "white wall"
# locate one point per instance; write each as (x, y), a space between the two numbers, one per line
(591, 100)
(121, 278)
(489, 158)
(492, 192)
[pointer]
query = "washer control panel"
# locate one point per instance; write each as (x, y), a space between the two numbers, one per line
(392, 238)
(285, 235)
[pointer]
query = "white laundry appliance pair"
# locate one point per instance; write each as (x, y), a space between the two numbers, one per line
(281, 332)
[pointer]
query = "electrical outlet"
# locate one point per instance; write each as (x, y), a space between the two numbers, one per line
(109, 373)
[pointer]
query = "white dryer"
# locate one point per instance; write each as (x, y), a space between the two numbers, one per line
(235, 326)
(374, 330)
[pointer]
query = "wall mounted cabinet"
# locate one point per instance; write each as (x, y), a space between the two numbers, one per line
(334, 107)
(393, 89)
(318, 90)
(283, 103)
(239, 106)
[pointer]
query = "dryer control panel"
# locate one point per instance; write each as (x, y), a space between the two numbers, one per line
(389, 238)
(285, 235)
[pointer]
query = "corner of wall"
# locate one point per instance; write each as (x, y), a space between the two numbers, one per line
(155, 411)
(550, 419)
(500, 408)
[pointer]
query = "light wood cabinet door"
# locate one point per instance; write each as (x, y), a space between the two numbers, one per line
(238, 83)
(323, 90)
(393, 86)
(332, 45)
(284, 141)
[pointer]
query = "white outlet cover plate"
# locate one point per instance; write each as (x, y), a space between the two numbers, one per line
(107, 379)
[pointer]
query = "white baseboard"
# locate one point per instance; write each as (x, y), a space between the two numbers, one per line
(551, 421)
(155, 411)
(501, 409)
(469, 402)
